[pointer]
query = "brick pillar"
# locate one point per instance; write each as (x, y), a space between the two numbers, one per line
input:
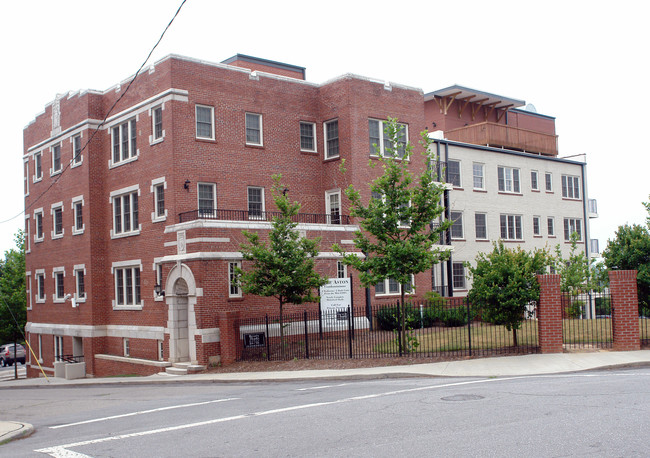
(549, 314)
(228, 336)
(625, 309)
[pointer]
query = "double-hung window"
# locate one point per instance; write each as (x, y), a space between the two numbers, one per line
(38, 217)
(508, 178)
(204, 122)
(40, 286)
(534, 180)
(255, 202)
(56, 158)
(207, 200)
(333, 204)
(331, 129)
(124, 139)
(380, 142)
(127, 286)
(511, 227)
(234, 288)
(126, 219)
(570, 187)
(76, 150)
(550, 226)
(392, 287)
(157, 123)
(453, 173)
(341, 270)
(59, 283)
(480, 225)
(158, 186)
(537, 230)
(77, 211)
(254, 129)
(548, 181)
(80, 282)
(572, 225)
(478, 172)
(457, 225)
(38, 166)
(57, 220)
(458, 275)
(308, 137)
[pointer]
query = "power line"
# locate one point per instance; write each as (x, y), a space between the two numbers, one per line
(101, 124)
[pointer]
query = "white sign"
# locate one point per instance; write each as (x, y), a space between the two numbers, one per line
(335, 296)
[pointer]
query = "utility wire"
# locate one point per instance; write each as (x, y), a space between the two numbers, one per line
(101, 124)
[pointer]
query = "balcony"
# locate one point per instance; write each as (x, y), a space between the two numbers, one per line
(503, 136)
(245, 215)
(593, 208)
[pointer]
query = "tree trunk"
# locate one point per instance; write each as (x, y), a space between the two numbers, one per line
(514, 336)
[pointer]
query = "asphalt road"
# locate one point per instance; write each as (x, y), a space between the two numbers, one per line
(602, 413)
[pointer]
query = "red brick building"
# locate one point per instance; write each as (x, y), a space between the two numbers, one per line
(129, 189)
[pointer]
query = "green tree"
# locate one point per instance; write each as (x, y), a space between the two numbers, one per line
(630, 250)
(12, 291)
(284, 268)
(397, 233)
(504, 282)
(576, 274)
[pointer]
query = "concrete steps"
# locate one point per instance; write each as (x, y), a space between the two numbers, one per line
(184, 368)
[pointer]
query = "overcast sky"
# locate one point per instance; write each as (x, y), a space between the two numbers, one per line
(583, 62)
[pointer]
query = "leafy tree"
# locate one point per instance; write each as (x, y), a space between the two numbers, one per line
(284, 268)
(576, 274)
(12, 291)
(504, 282)
(630, 250)
(397, 233)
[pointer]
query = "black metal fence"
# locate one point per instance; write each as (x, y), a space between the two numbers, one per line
(587, 321)
(434, 329)
(245, 215)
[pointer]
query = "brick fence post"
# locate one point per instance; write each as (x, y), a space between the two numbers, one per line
(228, 336)
(549, 314)
(625, 309)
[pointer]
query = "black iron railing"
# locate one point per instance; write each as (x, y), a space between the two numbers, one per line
(70, 358)
(245, 215)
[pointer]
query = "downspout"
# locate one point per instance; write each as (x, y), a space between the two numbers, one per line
(450, 283)
(585, 209)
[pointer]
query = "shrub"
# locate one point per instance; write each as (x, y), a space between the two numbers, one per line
(456, 316)
(603, 306)
(388, 318)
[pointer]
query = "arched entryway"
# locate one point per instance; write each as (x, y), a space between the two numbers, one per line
(181, 321)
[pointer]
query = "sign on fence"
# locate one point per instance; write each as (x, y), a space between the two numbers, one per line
(254, 339)
(336, 296)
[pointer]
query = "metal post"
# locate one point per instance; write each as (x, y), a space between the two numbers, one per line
(352, 304)
(469, 326)
(320, 322)
(399, 327)
(268, 340)
(306, 337)
(350, 331)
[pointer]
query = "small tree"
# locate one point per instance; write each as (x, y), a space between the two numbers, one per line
(504, 282)
(12, 291)
(285, 268)
(398, 235)
(576, 274)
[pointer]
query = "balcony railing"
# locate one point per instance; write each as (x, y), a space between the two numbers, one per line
(245, 215)
(501, 135)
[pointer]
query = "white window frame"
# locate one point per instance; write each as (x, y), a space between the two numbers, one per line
(214, 197)
(77, 159)
(53, 212)
(259, 130)
(39, 212)
(537, 226)
(234, 290)
(455, 276)
(79, 268)
(572, 225)
(458, 185)
(28, 285)
(458, 217)
(161, 350)
(312, 125)
(481, 176)
(53, 170)
(38, 166)
(58, 347)
(511, 227)
(124, 266)
(28, 234)
(395, 289)
(59, 296)
(78, 200)
(40, 348)
(330, 218)
(196, 122)
(534, 184)
(156, 184)
(550, 226)
(126, 347)
(26, 175)
(571, 187)
(328, 139)
(121, 194)
(548, 181)
(152, 113)
(40, 296)
(251, 215)
(131, 155)
(157, 268)
(476, 226)
(381, 143)
(509, 179)
(341, 270)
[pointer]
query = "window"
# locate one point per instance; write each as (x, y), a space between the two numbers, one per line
(308, 137)
(124, 141)
(28, 290)
(392, 287)
(458, 275)
(207, 200)
(38, 166)
(159, 200)
(80, 284)
(511, 227)
(333, 204)
(125, 214)
(204, 122)
(26, 176)
(57, 220)
(380, 143)
(58, 347)
(253, 129)
(77, 210)
(127, 286)
(570, 187)
(159, 278)
(59, 291)
(534, 182)
(572, 225)
(76, 150)
(341, 270)
(127, 346)
(40, 286)
(56, 158)
(161, 350)
(593, 246)
(233, 279)
(457, 226)
(28, 234)
(508, 179)
(550, 225)
(548, 179)
(536, 226)
(38, 217)
(255, 202)
(157, 123)
(478, 172)
(480, 225)
(453, 173)
(331, 139)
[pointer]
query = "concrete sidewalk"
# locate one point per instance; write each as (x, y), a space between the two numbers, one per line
(506, 366)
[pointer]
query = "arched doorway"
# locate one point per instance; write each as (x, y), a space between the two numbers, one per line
(181, 321)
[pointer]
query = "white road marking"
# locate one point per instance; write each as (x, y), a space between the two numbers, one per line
(142, 412)
(322, 387)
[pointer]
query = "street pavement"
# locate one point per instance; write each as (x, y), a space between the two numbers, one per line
(506, 366)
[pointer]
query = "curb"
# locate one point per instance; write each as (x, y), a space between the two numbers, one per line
(13, 430)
